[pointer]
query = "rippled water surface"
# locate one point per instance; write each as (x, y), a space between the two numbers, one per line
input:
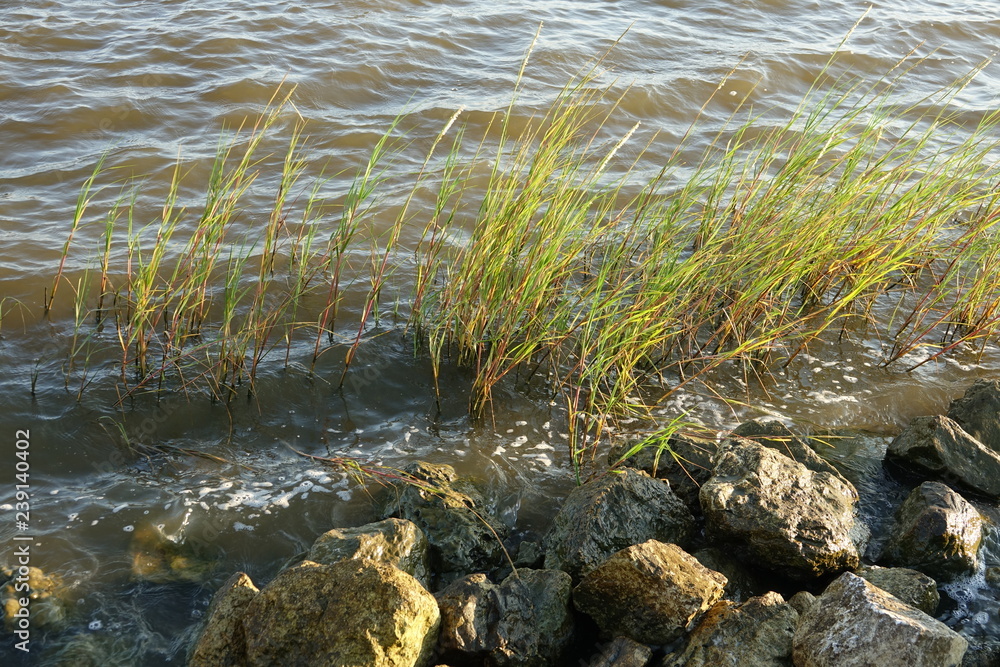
(150, 83)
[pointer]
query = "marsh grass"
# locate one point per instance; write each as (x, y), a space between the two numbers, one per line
(547, 261)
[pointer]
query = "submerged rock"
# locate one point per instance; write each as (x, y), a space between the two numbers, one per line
(978, 412)
(939, 446)
(351, 614)
(161, 559)
(222, 642)
(914, 588)
(622, 652)
(742, 584)
(757, 633)
(856, 624)
(651, 592)
(46, 596)
(525, 620)
(392, 541)
(463, 534)
(608, 514)
(936, 531)
(789, 518)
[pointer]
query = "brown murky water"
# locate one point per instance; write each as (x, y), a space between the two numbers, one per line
(145, 82)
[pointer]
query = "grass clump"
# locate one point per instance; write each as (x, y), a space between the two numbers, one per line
(546, 258)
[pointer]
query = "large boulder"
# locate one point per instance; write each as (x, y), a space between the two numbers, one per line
(392, 541)
(463, 534)
(757, 633)
(978, 412)
(525, 620)
(914, 588)
(608, 514)
(937, 532)
(222, 642)
(651, 593)
(348, 614)
(939, 446)
(788, 518)
(856, 624)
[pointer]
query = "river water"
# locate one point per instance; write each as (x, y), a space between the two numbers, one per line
(146, 82)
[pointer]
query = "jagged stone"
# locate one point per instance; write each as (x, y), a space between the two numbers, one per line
(802, 601)
(937, 532)
(939, 446)
(914, 588)
(222, 642)
(463, 534)
(622, 652)
(978, 412)
(650, 592)
(608, 514)
(856, 624)
(351, 614)
(757, 633)
(392, 541)
(742, 583)
(525, 620)
(789, 518)
(774, 434)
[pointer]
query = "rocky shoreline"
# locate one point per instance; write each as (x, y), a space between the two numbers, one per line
(746, 552)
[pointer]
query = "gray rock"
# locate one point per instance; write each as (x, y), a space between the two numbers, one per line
(757, 633)
(530, 555)
(525, 620)
(684, 461)
(351, 613)
(938, 445)
(937, 532)
(222, 642)
(774, 434)
(392, 541)
(789, 518)
(622, 652)
(463, 534)
(610, 513)
(978, 412)
(651, 593)
(856, 624)
(914, 588)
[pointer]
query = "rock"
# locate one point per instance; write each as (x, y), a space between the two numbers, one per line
(622, 652)
(936, 531)
(684, 461)
(742, 584)
(757, 633)
(530, 555)
(392, 541)
(978, 412)
(856, 624)
(650, 592)
(222, 642)
(608, 514)
(938, 445)
(914, 588)
(161, 559)
(351, 613)
(983, 652)
(83, 650)
(463, 534)
(789, 518)
(525, 620)
(46, 596)
(775, 435)
(802, 601)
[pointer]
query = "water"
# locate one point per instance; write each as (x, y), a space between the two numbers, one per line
(148, 82)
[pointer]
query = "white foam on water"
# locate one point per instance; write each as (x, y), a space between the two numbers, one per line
(128, 529)
(240, 526)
